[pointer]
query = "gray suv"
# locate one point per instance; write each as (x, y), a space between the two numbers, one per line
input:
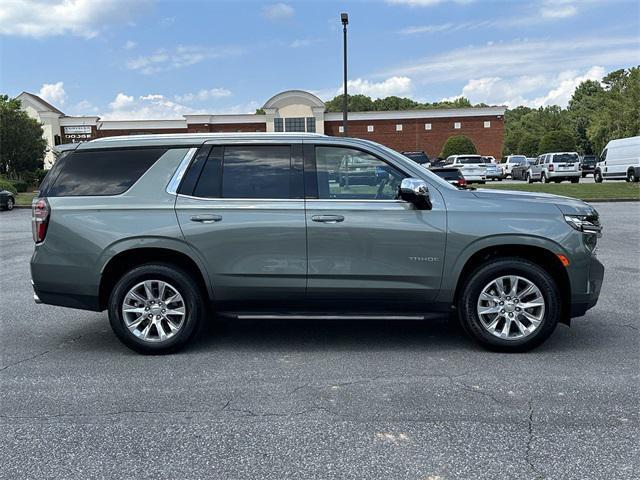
(165, 230)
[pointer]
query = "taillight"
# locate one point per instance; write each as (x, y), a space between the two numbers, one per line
(462, 182)
(551, 167)
(39, 218)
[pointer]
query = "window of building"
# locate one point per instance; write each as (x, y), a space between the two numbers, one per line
(487, 124)
(311, 124)
(102, 172)
(294, 124)
(457, 125)
(427, 126)
(369, 128)
(278, 125)
(345, 173)
(340, 129)
(399, 127)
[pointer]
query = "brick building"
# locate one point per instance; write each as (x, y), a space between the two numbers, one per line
(292, 111)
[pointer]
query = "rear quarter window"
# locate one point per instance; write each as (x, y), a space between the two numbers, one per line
(101, 172)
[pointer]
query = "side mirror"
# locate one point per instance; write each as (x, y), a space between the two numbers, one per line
(415, 191)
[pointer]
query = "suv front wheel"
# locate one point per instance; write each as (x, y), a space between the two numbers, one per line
(156, 308)
(509, 305)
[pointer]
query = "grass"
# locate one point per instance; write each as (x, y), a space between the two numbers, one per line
(24, 198)
(584, 191)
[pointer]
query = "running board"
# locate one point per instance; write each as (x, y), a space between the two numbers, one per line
(244, 316)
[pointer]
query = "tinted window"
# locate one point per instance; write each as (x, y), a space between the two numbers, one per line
(256, 172)
(452, 174)
(469, 160)
(103, 172)
(346, 173)
(565, 157)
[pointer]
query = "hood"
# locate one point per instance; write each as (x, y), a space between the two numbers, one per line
(567, 205)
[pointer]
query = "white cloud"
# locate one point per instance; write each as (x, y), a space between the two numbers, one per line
(299, 43)
(391, 86)
(85, 18)
(129, 44)
(559, 11)
(521, 58)
(84, 107)
(183, 56)
(525, 90)
(203, 95)
(278, 11)
(145, 107)
(121, 101)
(53, 93)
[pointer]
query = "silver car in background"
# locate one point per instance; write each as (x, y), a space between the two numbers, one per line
(555, 167)
(472, 167)
(493, 171)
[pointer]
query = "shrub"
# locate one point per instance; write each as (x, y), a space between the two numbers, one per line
(39, 174)
(20, 185)
(7, 185)
(458, 145)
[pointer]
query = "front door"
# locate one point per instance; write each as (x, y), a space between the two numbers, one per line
(368, 251)
(243, 213)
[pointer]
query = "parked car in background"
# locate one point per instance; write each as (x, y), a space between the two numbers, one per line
(519, 171)
(492, 170)
(588, 164)
(452, 175)
(620, 160)
(555, 167)
(7, 200)
(418, 157)
(511, 161)
(250, 226)
(472, 166)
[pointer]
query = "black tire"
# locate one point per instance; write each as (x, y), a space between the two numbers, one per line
(597, 176)
(10, 203)
(584, 175)
(194, 301)
(543, 178)
(481, 276)
(499, 179)
(631, 176)
(529, 179)
(575, 180)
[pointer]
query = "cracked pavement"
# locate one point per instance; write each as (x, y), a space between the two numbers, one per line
(313, 399)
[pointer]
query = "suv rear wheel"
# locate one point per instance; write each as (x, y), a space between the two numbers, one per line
(509, 305)
(156, 308)
(543, 178)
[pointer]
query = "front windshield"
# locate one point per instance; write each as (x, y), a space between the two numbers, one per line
(428, 173)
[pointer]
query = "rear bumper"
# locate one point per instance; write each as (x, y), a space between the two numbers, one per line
(69, 300)
(582, 302)
(556, 175)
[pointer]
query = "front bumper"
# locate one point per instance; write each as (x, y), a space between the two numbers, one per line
(582, 302)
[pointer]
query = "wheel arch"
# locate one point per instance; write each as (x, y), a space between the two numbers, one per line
(543, 255)
(127, 258)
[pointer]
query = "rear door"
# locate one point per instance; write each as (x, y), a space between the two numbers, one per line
(241, 207)
(368, 251)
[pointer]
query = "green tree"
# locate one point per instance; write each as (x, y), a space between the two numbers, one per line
(618, 112)
(583, 106)
(557, 141)
(458, 145)
(528, 145)
(355, 103)
(22, 147)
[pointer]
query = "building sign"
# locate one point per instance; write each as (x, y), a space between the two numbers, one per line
(77, 134)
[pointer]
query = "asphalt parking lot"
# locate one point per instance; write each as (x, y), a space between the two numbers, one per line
(303, 399)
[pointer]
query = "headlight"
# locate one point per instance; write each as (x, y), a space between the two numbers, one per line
(589, 225)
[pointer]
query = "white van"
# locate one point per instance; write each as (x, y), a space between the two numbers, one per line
(620, 160)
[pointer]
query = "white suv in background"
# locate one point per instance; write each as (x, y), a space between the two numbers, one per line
(512, 161)
(473, 168)
(555, 167)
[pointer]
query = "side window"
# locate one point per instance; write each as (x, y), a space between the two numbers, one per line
(102, 172)
(603, 157)
(260, 171)
(346, 173)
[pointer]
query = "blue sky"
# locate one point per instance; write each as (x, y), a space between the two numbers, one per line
(162, 59)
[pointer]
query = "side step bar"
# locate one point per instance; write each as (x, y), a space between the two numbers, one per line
(248, 316)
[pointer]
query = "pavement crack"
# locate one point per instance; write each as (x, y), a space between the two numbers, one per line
(41, 354)
(529, 446)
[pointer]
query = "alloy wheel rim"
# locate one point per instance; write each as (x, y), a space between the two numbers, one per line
(153, 311)
(511, 307)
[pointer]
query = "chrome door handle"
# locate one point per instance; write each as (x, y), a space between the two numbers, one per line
(327, 218)
(206, 218)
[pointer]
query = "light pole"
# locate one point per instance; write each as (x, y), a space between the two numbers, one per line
(345, 21)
